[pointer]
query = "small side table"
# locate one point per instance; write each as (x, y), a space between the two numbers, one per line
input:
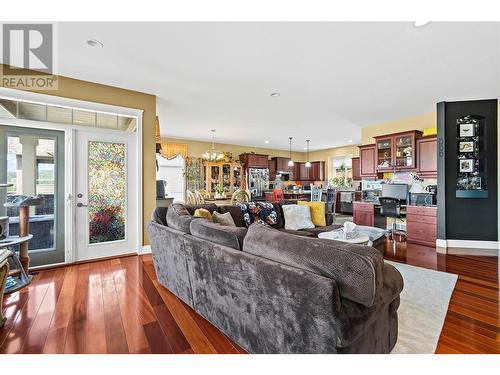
(4, 272)
(360, 239)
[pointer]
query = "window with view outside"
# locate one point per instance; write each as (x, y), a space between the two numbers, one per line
(341, 172)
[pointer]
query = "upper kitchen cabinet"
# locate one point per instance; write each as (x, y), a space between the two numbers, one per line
(397, 151)
(254, 160)
(282, 164)
(427, 156)
(367, 161)
(304, 172)
(317, 171)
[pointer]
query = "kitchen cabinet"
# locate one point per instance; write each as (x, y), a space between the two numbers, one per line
(304, 172)
(254, 160)
(282, 164)
(226, 174)
(363, 213)
(367, 161)
(356, 171)
(396, 151)
(427, 156)
(421, 225)
(272, 168)
(316, 172)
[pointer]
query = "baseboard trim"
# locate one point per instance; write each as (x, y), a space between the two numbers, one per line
(469, 247)
(146, 249)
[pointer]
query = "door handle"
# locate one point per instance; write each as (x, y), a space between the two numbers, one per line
(80, 204)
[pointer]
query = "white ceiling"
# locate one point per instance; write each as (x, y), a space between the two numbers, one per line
(334, 78)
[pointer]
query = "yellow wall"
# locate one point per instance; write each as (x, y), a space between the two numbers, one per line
(420, 122)
(328, 154)
(197, 148)
(94, 92)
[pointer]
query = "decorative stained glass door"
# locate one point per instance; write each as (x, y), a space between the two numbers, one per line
(106, 195)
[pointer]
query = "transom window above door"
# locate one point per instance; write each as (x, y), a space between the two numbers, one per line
(65, 115)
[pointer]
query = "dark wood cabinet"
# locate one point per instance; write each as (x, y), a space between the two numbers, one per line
(272, 168)
(363, 213)
(254, 160)
(304, 172)
(396, 151)
(421, 225)
(356, 171)
(427, 156)
(316, 172)
(367, 160)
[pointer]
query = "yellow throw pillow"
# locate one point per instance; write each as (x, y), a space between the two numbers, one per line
(201, 212)
(317, 212)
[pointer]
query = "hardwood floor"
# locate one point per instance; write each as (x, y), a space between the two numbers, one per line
(118, 306)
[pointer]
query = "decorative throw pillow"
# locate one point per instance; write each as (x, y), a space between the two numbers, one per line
(297, 217)
(267, 213)
(317, 212)
(201, 212)
(223, 219)
(262, 212)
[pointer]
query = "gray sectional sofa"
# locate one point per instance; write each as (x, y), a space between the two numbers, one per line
(277, 291)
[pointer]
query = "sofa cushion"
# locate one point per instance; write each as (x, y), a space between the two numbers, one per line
(356, 269)
(203, 213)
(235, 212)
(302, 233)
(217, 233)
(178, 217)
(317, 212)
(223, 219)
(297, 217)
(159, 215)
(191, 208)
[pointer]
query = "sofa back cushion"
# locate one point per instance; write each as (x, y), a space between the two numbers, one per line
(218, 233)
(223, 219)
(191, 208)
(318, 216)
(356, 269)
(235, 212)
(179, 218)
(159, 215)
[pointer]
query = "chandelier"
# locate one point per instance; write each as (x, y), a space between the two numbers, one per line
(213, 154)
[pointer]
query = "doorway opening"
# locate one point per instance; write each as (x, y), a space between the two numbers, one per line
(172, 172)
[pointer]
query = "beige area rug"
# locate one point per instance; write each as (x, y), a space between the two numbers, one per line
(424, 303)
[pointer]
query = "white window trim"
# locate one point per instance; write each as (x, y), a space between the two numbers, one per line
(69, 132)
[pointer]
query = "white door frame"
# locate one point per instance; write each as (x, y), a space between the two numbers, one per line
(69, 151)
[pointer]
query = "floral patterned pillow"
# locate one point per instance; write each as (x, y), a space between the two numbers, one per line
(262, 212)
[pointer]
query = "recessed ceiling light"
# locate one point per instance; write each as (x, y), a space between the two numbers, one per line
(349, 141)
(275, 94)
(421, 23)
(266, 142)
(95, 43)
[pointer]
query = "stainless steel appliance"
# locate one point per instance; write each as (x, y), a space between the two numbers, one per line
(258, 182)
(422, 199)
(432, 189)
(346, 199)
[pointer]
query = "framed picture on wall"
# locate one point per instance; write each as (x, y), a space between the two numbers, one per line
(466, 165)
(467, 130)
(466, 146)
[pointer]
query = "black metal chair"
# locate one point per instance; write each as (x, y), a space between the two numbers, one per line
(331, 205)
(391, 207)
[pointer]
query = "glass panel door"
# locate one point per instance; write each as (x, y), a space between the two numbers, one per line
(237, 178)
(106, 194)
(226, 177)
(404, 151)
(384, 153)
(215, 178)
(32, 160)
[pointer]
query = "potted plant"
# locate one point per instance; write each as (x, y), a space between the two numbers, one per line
(220, 193)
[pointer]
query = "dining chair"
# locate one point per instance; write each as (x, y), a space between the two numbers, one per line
(278, 195)
(190, 197)
(199, 198)
(316, 193)
(331, 205)
(240, 196)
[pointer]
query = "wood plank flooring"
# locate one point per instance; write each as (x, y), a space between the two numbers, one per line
(118, 306)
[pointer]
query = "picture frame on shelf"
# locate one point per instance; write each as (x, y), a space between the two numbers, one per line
(475, 183)
(467, 146)
(467, 130)
(466, 165)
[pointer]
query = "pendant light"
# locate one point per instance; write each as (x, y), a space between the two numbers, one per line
(213, 154)
(308, 163)
(290, 162)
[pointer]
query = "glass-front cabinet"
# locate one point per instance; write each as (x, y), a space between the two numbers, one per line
(397, 151)
(222, 175)
(384, 153)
